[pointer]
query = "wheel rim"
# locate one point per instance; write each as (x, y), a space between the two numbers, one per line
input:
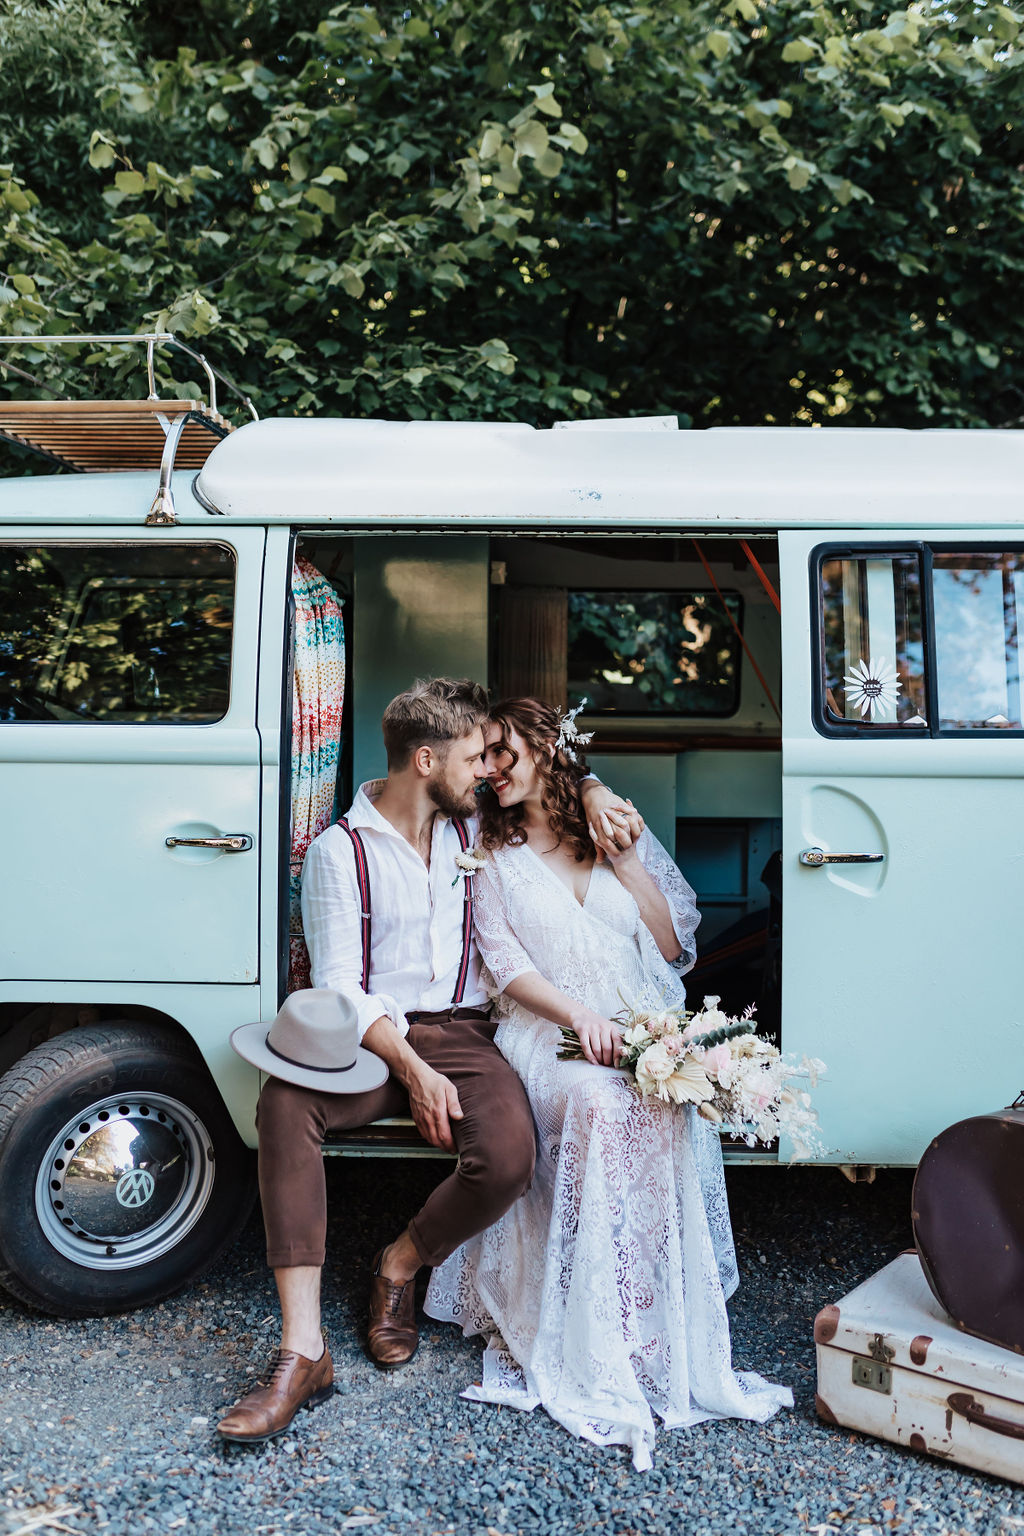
(124, 1181)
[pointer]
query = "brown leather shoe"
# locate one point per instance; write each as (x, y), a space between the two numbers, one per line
(293, 1382)
(393, 1337)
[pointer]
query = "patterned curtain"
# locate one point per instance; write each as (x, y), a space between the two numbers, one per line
(318, 693)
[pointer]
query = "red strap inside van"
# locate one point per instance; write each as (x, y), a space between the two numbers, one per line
(739, 633)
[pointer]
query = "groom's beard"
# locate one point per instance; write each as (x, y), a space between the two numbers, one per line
(448, 802)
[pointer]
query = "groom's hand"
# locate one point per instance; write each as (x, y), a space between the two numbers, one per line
(434, 1103)
(615, 833)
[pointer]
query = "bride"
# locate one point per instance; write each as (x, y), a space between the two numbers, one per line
(603, 1289)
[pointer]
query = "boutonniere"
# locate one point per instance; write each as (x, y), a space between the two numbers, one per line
(468, 863)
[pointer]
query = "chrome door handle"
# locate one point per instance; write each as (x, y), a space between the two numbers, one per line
(815, 857)
(231, 842)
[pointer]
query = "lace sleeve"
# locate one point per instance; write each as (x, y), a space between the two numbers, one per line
(500, 950)
(677, 892)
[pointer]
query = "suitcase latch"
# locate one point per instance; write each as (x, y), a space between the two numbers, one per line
(871, 1374)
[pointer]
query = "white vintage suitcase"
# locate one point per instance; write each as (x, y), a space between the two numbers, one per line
(892, 1363)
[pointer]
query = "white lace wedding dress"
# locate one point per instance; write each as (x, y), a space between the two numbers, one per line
(603, 1289)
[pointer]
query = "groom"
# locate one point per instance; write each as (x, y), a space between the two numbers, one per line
(411, 972)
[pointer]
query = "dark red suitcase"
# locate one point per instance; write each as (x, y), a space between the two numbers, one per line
(968, 1218)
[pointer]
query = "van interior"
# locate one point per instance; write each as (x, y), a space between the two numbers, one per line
(674, 643)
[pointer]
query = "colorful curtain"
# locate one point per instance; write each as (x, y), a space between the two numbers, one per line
(318, 694)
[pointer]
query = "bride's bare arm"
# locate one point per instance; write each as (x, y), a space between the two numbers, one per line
(600, 1038)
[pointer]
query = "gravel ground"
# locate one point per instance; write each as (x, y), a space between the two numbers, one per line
(107, 1425)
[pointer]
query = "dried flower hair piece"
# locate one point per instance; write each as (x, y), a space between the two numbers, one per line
(569, 738)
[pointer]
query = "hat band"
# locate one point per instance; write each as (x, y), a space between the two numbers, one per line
(305, 1064)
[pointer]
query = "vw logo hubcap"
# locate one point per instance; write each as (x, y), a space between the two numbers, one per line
(135, 1188)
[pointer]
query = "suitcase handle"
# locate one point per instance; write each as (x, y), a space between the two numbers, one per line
(974, 1412)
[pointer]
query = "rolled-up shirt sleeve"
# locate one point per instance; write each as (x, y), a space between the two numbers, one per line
(332, 925)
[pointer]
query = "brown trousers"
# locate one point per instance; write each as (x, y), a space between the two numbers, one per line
(495, 1140)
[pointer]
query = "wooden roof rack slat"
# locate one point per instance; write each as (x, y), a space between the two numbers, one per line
(95, 435)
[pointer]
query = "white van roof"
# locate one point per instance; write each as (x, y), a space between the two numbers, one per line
(372, 474)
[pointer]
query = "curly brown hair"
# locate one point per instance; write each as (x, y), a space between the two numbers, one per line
(537, 724)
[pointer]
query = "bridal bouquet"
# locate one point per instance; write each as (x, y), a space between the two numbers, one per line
(738, 1080)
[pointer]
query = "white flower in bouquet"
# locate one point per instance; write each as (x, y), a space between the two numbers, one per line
(667, 1022)
(711, 1016)
(659, 1071)
(689, 1084)
(637, 1035)
(653, 1066)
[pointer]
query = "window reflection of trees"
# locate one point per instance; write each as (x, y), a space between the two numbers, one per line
(976, 598)
(654, 652)
(129, 633)
(854, 631)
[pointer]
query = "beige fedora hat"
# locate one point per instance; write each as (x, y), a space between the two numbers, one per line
(314, 1043)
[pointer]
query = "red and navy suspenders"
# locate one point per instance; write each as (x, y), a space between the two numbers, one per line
(363, 881)
(467, 917)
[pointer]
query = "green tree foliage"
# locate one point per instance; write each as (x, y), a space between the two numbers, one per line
(789, 211)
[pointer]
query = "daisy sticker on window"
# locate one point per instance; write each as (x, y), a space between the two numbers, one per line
(873, 688)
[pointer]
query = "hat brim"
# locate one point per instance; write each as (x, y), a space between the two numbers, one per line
(368, 1070)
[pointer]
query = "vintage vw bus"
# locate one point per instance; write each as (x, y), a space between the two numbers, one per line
(858, 857)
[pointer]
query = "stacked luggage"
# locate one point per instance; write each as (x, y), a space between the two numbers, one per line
(929, 1352)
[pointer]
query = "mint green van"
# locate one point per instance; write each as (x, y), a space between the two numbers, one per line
(800, 654)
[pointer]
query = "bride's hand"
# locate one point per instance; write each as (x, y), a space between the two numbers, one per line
(615, 837)
(600, 1038)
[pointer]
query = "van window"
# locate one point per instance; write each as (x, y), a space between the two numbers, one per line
(976, 599)
(654, 653)
(886, 650)
(873, 641)
(115, 632)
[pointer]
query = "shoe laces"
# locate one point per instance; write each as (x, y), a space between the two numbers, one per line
(395, 1294)
(277, 1366)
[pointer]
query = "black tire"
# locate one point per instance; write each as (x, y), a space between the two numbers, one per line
(122, 1176)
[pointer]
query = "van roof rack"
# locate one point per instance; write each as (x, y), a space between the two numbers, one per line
(94, 435)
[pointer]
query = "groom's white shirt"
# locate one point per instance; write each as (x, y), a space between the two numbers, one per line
(416, 938)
